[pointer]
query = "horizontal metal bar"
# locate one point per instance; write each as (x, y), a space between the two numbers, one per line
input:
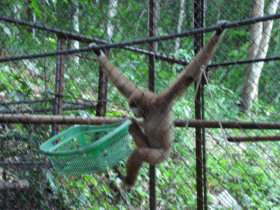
(72, 35)
(55, 119)
(10, 103)
(25, 102)
(85, 39)
(214, 65)
(226, 124)
(24, 165)
(60, 32)
(65, 108)
(145, 40)
(254, 138)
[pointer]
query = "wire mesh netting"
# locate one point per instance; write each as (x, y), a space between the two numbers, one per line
(238, 101)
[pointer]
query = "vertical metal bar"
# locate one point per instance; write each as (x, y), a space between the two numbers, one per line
(204, 150)
(198, 41)
(152, 32)
(102, 92)
(204, 158)
(59, 83)
(203, 82)
(57, 72)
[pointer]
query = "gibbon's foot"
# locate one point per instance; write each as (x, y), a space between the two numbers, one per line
(96, 51)
(125, 186)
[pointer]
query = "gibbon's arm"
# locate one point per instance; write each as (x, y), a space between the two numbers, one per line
(193, 70)
(125, 86)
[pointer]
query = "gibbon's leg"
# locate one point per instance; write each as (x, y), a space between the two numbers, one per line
(138, 136)
(132, 168)
(140, 155)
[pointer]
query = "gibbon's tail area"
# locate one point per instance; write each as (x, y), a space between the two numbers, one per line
(193, 70)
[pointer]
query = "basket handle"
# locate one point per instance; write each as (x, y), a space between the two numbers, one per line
(104, 138)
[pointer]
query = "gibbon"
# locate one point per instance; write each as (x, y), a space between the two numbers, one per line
(153, 139)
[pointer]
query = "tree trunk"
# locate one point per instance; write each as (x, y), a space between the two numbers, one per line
(249, 89)
(76, 28)
(17, 8)
(260, 37)
(111, 14)
(179, 26)
(34, 30)
(157, 18)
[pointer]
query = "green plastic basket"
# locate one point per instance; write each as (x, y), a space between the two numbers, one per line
(88, 149)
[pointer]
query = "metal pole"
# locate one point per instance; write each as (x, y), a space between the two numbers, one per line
(152, 32)
(254, 138)
(59, 86)
(204, 149)
(197, 45)
(75, 120)
(102, 92)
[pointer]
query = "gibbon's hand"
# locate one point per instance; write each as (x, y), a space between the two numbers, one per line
(221, 24)
(96, 51)
(134, 126)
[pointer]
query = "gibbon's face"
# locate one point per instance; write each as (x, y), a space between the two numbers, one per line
(136, 109)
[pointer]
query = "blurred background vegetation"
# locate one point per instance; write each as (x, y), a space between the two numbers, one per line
(248, 171)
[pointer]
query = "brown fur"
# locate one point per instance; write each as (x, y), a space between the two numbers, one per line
(153, 140)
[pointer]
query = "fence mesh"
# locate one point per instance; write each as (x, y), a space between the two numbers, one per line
(238, 174)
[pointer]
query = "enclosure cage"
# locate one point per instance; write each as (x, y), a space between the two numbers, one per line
(225, 153)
